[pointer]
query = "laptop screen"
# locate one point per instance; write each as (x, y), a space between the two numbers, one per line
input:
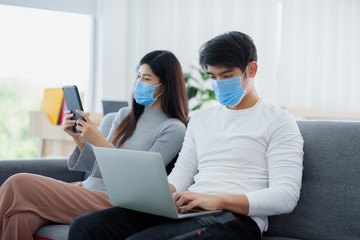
(112, 106)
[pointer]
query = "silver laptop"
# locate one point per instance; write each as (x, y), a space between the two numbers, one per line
(137, 180)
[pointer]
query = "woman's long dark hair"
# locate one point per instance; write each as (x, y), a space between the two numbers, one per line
(174, 101)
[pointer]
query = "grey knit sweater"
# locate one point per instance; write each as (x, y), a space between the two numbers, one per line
(154, 132)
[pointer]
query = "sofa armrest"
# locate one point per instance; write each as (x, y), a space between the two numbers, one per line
(54, 168)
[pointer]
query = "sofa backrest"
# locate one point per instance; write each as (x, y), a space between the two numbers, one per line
(329, 205)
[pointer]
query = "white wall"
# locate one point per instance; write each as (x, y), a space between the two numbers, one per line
(110, 52)
(320, 57)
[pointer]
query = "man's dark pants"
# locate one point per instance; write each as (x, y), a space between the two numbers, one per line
(119, 223)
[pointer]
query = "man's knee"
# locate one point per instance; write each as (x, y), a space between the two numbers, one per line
(80, 228)
(82, 222)
(77, 223)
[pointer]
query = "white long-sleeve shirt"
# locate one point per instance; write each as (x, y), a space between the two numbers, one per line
(256, 151)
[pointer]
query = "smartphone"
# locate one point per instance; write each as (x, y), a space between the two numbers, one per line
(73, 102)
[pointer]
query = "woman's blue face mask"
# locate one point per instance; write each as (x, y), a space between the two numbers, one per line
(229, 92)
(144, 93)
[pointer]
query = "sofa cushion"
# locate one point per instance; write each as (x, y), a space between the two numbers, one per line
(329, 205)
(53, 232)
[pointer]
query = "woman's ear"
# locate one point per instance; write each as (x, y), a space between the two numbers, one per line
(252, 69)
(162, 88)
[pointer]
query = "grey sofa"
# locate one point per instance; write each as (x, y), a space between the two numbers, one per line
(329, 205)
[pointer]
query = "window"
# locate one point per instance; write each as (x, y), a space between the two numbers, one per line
(39, 49)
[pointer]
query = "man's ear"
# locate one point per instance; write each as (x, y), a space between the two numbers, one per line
(252, 69)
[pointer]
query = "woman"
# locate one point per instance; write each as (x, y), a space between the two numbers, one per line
(156, 122)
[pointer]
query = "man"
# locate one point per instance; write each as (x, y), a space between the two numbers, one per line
(244, 157)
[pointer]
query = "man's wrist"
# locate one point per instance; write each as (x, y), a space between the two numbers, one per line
(172, 188)
(221, 202)
(234, 203)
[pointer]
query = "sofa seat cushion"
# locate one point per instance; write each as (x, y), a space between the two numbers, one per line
(52, 232)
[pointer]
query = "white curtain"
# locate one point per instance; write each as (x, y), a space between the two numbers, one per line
(309, 51)
(320, 55)
(182, 26)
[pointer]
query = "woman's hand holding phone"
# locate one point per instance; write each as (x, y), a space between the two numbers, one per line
(68, 126)
(89, 131)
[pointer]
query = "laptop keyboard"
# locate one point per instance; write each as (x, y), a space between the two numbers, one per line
(190, 211)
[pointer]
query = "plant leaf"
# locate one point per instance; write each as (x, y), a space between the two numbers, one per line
(191, 91)
(196, 87)
(187, 76)
(196, 107)
(203, 74)
(211, 94)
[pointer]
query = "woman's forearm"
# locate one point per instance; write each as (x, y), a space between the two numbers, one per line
(79, 143)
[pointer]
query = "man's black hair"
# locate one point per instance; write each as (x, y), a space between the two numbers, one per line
(231, 49)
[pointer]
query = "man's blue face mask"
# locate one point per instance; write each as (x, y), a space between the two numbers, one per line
(229, 92)
(144, 93)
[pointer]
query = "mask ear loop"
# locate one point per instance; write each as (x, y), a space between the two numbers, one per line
(244, 90)
(156, 98)
(249, 78)
(160, 93)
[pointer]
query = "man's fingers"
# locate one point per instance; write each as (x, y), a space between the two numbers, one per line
(176, 196)
(184, 199)
(189, 206)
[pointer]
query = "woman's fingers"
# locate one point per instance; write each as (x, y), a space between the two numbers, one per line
(81, 122)
(68, 122)
(68, 114)
(80, 129)
(84, 115)
(67, 125)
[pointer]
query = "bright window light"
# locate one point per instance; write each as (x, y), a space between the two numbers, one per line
(38, 49)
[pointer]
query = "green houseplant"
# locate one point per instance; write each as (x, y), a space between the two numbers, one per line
(198, 88)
